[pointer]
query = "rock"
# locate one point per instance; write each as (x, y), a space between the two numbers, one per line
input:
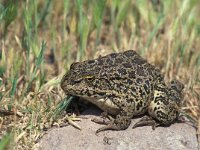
(178, 136)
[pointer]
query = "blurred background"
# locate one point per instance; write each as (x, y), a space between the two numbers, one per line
(39, 39)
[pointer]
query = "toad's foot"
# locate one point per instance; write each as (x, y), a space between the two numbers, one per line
(106, 115)
(120, 123)
(146, 121)
(104, 120)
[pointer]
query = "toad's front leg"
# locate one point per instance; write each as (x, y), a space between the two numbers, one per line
(120, 123)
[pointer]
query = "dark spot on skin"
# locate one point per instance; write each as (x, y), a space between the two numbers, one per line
(144, 109)
(139, 80)
(75, 81)
(149, 70)
(102, 73)
(109, 62)
(139, 105)
(140, 71)
(133, 89)
(147, 89)
(100, 62)
(116, 74)
(165, 102)
(122, 71)
(118, 86)
(73, 65)
(160, 98)
(155, 108)
(131, 74)
(125, 90)
(119, 60)
(130, 100)
(147, 83)
(95, 96)
(150, 79)
(140, 91)
(113, 55)
(171, 109)
(162, 89)
(130, 82)
(144, 94)
(130, 53)
(138, 60)
(101, 93)
(97, 82)
(91, 61)
(89, 94)
(127, 65)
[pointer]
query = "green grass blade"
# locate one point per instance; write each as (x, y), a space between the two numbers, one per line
(99, 7)
(123, 11)
(14, 85)
(159, 23)
(63, 105)
(10, 13)
(38, 63)
(5, 141)
(83, 30)
(45, 12)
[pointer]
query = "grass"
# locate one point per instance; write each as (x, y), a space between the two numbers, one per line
(40, 39)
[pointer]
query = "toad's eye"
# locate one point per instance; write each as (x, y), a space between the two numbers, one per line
(89, 78)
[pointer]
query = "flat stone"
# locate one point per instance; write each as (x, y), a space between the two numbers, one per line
(178, 136)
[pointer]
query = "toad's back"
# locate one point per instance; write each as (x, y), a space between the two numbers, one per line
(123, 65)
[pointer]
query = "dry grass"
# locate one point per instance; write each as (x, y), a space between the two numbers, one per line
(40, 39)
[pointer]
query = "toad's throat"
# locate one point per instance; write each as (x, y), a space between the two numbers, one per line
(105, 104)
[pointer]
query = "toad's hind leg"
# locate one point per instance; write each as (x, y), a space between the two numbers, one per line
(146, 121)
(120, 123)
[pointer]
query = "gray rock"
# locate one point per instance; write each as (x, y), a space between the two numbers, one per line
(178, 136)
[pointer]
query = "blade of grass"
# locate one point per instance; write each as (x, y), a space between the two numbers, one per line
(63, 105)
(14, 85)
(2, 61)
(44, 12)
(123, 8)
(83, 30)
(160, 21)
(99, 7)
(2, 12)
(5, 141)
(80, 28)
(123, 11)
(27, 36)
(38, 63)
(10, 13)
